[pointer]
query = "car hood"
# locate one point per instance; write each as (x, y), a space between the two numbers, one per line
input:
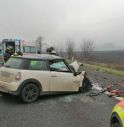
(77, 66)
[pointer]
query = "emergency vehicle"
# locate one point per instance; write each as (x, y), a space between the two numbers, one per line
(18, 45)
(117, 118)
(1, 55)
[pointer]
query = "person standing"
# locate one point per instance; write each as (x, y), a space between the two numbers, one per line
(8, 53)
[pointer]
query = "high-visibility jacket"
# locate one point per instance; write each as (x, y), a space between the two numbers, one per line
(118, 113)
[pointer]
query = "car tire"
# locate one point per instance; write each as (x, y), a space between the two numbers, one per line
(116, 125)
(29, 93)
(86, 85)
(115, 121)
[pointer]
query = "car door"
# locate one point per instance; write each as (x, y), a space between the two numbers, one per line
(61, 77)
(39, 71)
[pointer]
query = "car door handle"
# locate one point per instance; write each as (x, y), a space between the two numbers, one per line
(54, 76)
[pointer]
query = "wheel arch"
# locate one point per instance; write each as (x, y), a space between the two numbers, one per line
(31, 80)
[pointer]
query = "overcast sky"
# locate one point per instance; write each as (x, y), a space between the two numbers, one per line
(59, 20)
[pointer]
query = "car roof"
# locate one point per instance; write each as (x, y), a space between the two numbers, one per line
(40, 56)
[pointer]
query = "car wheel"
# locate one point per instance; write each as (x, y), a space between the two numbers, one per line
(29, 93)
(86, 85)
(115, 125)
(115, 121)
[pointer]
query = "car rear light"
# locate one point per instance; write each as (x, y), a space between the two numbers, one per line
(18, 76)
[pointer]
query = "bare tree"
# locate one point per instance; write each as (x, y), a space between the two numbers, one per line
(87, 49)
(61, 52)
(39, 44)
(70, 49)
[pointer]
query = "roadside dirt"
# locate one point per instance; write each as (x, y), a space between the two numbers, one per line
(103, 79)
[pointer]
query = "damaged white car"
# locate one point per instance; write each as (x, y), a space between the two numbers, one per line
(30, 76)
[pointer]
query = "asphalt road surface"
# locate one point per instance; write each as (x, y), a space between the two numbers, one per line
(68, 110)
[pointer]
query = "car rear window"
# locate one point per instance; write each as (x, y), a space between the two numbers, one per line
(17, 63)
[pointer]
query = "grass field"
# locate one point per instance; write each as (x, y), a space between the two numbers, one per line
(105, 69)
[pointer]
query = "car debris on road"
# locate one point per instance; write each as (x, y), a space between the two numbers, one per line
(116, 89)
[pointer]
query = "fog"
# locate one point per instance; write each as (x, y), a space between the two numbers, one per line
(60, 20)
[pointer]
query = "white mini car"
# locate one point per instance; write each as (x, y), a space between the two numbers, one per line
(32, 75)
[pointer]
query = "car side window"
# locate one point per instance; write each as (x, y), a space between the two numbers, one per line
(58, 65)
(37, 65)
